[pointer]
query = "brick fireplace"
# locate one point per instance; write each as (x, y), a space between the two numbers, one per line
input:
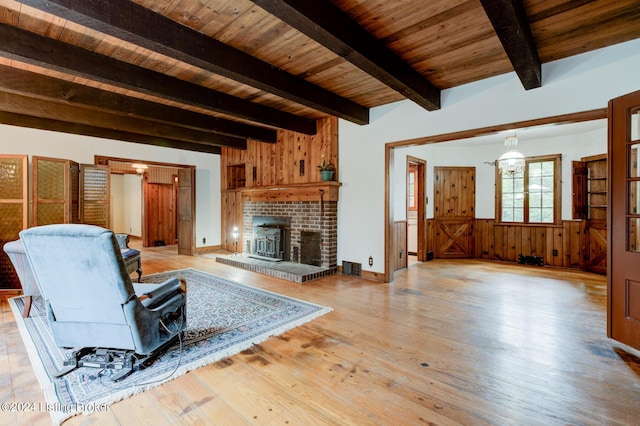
(306, 220)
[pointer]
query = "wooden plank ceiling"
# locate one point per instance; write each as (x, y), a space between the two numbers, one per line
(199, 75)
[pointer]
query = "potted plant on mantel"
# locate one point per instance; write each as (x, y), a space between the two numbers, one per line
(326, 170)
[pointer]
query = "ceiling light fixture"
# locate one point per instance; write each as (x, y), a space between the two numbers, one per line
(512, 160)
(140, 168)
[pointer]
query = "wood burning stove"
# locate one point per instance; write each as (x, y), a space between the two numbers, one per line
(271, 237)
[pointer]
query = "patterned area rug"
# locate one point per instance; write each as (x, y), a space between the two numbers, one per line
(223, 318)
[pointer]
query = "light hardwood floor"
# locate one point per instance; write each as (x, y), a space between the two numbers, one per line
(449, 342)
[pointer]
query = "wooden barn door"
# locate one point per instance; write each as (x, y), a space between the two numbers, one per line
(454, 211)
(55, 191)
(14, 203)
(95, 194)
(623, 319)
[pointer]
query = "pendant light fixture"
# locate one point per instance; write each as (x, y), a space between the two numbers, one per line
(512, 160)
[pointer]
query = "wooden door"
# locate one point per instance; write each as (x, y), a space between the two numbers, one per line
(623, 319)
(454, 211)
(159, 210)
(186, 210)
(95, 194)
(55, 191)
(14, 205)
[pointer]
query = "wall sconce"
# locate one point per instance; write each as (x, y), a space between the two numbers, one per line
(235, 233)
(140, 168)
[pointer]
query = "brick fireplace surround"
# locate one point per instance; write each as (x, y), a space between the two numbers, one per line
(314, 216)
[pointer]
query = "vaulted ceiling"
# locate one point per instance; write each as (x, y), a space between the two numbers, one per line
(198, 74)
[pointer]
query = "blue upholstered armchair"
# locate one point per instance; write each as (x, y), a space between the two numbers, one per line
(90, 299)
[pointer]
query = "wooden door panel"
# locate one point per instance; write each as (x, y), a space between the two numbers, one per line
(186, 210)
(454, 238)
(159, 212)
(623, 314)
(596, 240)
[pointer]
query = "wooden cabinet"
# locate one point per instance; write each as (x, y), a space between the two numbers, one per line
(590, 203)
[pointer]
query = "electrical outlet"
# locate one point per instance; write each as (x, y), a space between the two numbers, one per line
(370, 261)
(555, 252)
(204, 240)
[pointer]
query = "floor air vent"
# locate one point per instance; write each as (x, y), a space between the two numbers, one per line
(351, 268)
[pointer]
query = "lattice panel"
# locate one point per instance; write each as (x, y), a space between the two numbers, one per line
(95, 214)
(8, 274)
(155, 174)
(50, 213)
(95, 185)
(11, 176)
(75, 192)
(10, 221)
(50, 180)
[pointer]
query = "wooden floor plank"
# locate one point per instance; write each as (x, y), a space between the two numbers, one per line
(448, 342)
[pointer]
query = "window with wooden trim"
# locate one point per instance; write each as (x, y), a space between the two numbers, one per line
(531, 195)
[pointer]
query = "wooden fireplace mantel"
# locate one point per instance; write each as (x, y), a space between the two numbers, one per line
(325, 191)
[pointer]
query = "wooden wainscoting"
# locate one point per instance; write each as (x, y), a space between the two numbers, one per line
(400, 245)
(558, 245)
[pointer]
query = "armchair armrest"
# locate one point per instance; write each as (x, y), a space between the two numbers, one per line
(152, 295)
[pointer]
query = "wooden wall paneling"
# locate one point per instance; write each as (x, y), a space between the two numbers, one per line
(400, 244)
(232, 216)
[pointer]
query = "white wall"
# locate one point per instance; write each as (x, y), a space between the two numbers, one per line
(18, 140)
(572, 147)
(576, 84)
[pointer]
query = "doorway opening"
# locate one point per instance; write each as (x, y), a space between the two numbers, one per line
(155, 202)
(416, 210)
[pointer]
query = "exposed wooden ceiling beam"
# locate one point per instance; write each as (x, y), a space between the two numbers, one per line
(134, 23)
(32, 122)
(49, 53)
(31, 84)
(510, 22)
(328, 25)
(38, 107)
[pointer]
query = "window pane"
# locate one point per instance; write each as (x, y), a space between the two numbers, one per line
(507, 200)
(547, 168)
(535, 200)
(633, 160)
(633, 196)
(518, 215)
(633, 231)
(535, 215)
(507, 215)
